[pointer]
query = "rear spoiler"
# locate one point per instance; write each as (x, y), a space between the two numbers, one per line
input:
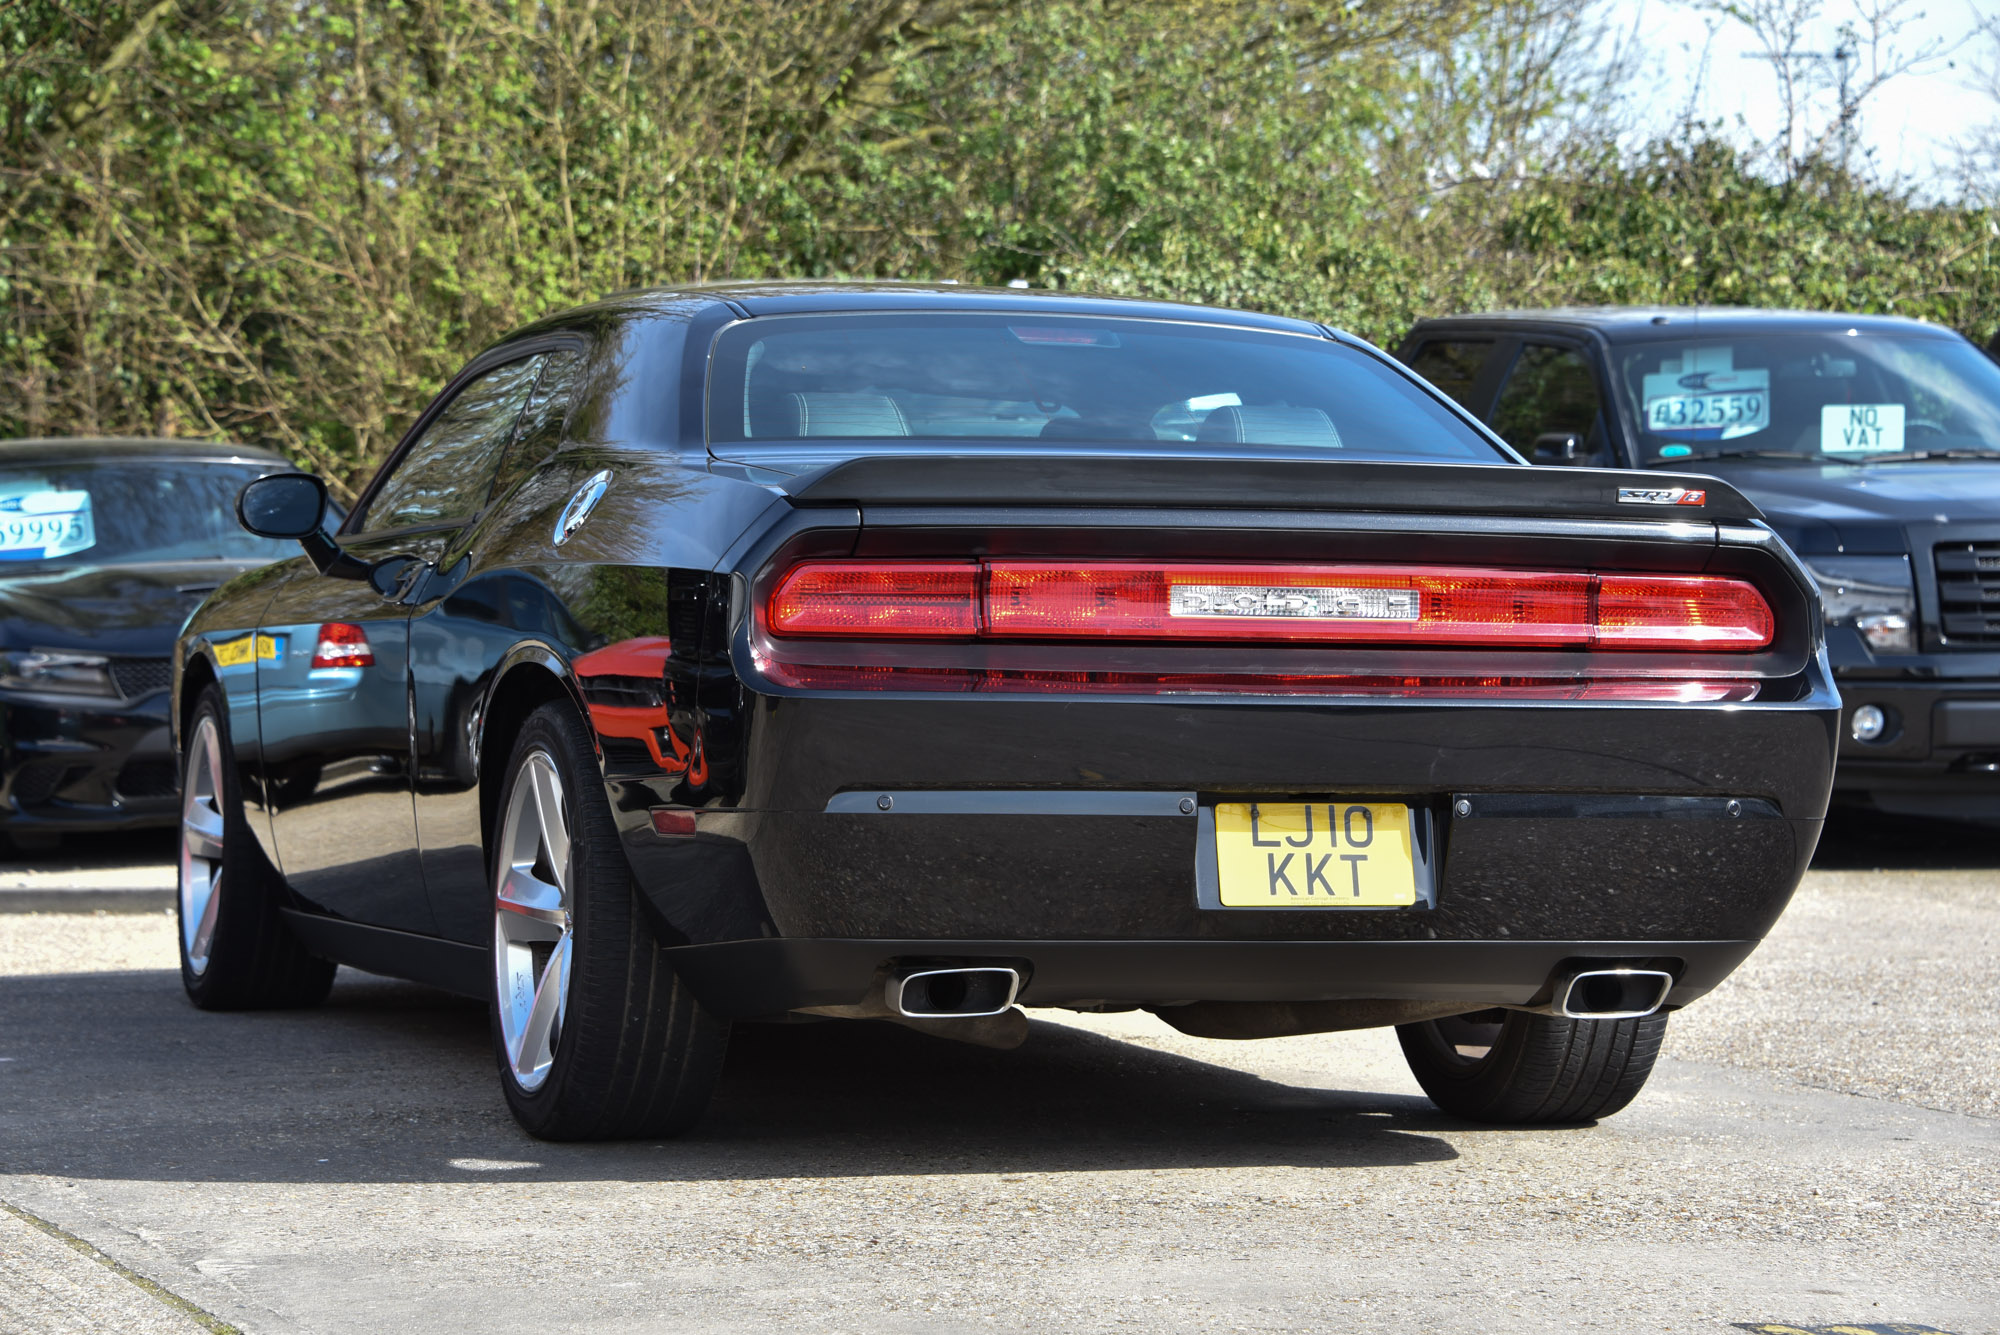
(1269, 484)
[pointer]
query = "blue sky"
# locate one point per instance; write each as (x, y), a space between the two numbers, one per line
(1910, 125)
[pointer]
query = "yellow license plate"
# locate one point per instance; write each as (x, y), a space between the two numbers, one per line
(1314, 855)
(245, 649)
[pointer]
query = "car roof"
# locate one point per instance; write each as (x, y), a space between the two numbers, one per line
(51, 449)
(818, 296)
(1626, 324)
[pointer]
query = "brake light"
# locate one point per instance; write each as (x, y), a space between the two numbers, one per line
(901, 599)
(342, 645)
(1323, 604)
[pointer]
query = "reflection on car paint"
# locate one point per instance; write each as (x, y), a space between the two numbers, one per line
(624, 689)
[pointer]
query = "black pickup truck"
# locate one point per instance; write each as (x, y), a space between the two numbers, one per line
(1871, 444)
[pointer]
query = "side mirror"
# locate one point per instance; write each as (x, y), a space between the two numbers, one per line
(293, 505)
(283, 505)
(1558, 447)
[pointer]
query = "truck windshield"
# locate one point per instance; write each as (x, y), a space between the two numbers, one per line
(125, 511)
(1071, 380)
(1823, 397)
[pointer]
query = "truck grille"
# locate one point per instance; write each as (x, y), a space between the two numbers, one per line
(135, 677)
(1968, 577)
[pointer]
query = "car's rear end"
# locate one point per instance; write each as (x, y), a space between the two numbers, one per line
(1266, 738)
(977, 730)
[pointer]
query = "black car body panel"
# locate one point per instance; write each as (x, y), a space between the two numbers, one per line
(1939, 752)
(791, 841)
(79, 762)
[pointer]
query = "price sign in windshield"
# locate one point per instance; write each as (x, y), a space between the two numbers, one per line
(1725, 414)
(1702, 395)
(38, 525)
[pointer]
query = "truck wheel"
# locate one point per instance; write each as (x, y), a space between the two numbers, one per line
(1514, 1068)
(236, 952)
(596, 1037)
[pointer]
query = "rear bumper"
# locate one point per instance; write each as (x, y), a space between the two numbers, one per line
(80, 765)
(743, 979)
(1051, 831)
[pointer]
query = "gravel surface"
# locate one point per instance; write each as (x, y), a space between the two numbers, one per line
(353, 1168)
(1879, 984)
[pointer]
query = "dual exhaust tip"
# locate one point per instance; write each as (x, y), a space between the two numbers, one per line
(977, 991)
(1609, 994)
(954, 994)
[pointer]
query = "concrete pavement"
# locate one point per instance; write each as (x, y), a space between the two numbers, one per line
(1819, 1145)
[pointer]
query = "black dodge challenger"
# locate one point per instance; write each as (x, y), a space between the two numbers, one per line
(884, 651)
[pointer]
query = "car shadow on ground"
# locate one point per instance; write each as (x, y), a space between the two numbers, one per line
(1859, 839)
(115, 1076)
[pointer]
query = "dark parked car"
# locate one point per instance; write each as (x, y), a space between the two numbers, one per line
(1871, 444)
(105, 547)
(901, 652)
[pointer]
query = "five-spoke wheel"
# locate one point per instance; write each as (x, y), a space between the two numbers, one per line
(236, 951)
(201, 843)
(595, 1036)
(532, 936)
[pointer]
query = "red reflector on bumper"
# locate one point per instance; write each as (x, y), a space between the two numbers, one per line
(673, 822)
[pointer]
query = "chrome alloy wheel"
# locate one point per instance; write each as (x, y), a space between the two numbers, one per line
(201, 843)
(531, 920)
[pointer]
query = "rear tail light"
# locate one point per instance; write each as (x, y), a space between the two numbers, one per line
(901, 600)
(1348, 604)
(342, 645)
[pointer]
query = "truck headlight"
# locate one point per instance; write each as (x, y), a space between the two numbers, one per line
(56, 672)
(1873, 593)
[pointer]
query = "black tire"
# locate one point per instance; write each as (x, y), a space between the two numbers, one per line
(634, 1054)
(252, 960)
(1536, 1068)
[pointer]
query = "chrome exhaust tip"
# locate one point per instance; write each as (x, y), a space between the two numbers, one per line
(1612, 994)
(953, 994)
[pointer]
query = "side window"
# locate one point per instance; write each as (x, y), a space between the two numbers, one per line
(1549, 409)
(542, 420)
(448, 471)
(1453, 366)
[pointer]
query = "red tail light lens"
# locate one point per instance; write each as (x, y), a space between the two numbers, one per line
(1680, 612)
(899, 600)
(1348, 604)
(342, 645)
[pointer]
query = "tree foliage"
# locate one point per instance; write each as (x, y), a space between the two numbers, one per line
(286, 221)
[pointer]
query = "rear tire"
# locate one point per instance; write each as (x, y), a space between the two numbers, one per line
(1513, 1068)
(236, 951)
(596, 1037)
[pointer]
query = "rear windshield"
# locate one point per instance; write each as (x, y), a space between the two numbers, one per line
(1826, 397)
(94, 512)
(1080, 380)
